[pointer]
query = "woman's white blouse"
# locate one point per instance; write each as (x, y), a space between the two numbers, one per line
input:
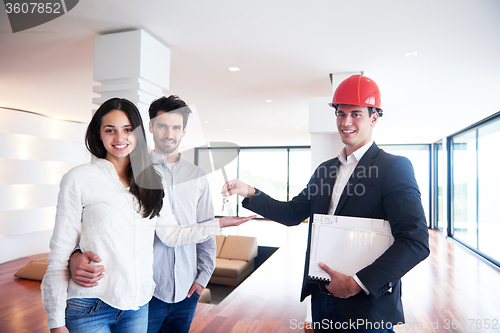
(97, 213)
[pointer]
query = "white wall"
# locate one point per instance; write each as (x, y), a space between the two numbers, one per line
(35, 152)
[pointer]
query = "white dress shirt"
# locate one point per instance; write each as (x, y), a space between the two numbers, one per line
(97, 212)
(176, 268)
(347, 166)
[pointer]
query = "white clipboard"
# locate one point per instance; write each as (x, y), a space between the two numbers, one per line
(346, 244)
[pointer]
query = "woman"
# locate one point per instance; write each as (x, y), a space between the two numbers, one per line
(113, 206)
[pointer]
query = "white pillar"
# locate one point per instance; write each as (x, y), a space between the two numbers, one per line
(337, 78)
(131, 65)
(325, 139)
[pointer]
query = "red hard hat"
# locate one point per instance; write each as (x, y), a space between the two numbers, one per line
(357, 90)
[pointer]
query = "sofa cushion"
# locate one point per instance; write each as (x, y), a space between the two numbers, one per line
(219, 240)
(239, 248)
(231, 268)
(34, 270)
(232, 282)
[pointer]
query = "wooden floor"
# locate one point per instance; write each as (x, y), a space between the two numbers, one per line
(21, 308)
(451, 289)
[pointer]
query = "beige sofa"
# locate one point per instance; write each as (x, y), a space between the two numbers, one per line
(235, 259)
(35, 270)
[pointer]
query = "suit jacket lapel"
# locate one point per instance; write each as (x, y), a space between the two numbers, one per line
(360, 169)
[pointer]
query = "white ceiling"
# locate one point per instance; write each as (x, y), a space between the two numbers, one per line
(285, 50)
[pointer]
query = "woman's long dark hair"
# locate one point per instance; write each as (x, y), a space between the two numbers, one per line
(145, 182)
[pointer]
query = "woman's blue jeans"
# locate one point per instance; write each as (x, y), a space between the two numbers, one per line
(91, 315)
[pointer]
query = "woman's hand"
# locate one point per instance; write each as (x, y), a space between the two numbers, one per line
(229, 221)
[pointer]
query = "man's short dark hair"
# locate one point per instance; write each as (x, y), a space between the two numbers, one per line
(371, 110)
(171, 103)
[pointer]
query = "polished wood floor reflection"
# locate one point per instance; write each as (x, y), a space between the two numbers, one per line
(451, 291)
(21, 309)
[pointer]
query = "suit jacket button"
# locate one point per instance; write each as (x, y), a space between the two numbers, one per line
(390, 284)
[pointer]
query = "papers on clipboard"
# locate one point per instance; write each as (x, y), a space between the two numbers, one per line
(346, 244)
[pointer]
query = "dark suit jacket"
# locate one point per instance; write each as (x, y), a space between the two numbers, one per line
(382, 186)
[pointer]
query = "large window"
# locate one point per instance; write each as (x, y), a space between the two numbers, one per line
(440, 173)
(475, 183)
(282, 172)
(299, 170)
(265, 169)
(419, 156)
(489, 189)
(219, 164)
(464, 192)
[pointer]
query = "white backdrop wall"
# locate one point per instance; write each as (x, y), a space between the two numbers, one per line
(35, 152)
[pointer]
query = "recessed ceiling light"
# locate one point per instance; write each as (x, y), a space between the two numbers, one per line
(411, 53)
(269, 100)
(234, 69)
(206, 121)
